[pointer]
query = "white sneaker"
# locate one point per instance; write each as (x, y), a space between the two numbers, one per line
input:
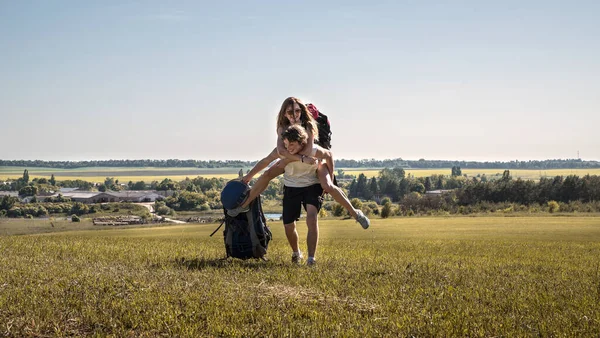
(362, 219)
(311, 262)
(297, 257)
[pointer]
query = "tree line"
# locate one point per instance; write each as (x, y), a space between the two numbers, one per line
(341, 163)
(398, 192)
(395, 184)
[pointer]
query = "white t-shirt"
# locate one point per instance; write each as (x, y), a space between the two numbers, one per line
(300, 175)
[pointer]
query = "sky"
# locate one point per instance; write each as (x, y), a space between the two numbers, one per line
(453, 80)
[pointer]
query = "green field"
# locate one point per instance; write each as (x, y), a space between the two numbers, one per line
(426, 277)
(124, 175)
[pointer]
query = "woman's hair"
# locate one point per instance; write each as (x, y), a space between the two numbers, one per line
(306, 119)
(295, 133)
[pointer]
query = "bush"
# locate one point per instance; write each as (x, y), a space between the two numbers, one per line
(14, 212)
(386, 211)
(553, 207)
(79, 208)
(385, 200)
(338, 210)
(323, 213)
(356, 203)
(75, 218)
(41, 211)
(163, 210)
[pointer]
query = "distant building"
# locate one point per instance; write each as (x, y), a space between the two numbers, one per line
(66, 190)
(438, 192)
(135, 196)
(9, 193)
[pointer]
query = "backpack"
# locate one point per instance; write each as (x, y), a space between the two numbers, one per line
(323, 125)
(247, 234)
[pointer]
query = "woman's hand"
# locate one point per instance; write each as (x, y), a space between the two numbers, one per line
(309, 160)
(246, 179)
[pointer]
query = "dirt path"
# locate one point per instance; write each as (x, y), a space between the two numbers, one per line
(150, 206)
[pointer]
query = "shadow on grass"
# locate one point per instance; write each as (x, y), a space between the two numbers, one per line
(203, 263)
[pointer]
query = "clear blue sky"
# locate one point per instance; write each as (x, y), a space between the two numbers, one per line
(464, 80)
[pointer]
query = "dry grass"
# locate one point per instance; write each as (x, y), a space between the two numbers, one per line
(431, 277)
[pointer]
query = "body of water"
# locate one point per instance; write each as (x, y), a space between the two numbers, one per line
(273, 216)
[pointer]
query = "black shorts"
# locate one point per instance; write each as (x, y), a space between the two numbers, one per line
(293, 198)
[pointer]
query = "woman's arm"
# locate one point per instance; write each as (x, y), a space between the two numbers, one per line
(307, 150)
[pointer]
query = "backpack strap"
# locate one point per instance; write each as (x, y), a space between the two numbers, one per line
(257, 249)
(219, 227)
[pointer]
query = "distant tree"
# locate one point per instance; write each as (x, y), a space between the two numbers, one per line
(428, 185)
(506, 175)
(361, 186)
(456, 171)
(373, 186)
(26, 176)
(102, 188)
(7, 202)
(109, 182)
(440, 183)
(28, 191)
(167, 184)
(418, 187)
(52, 180)
(352, 188)
(140, 185)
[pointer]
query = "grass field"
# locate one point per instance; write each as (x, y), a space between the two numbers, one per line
(124, 175)
(460, 276)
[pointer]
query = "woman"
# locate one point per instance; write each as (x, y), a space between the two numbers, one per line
(293, 111)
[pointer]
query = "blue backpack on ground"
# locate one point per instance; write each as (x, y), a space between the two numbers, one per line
(247, 234)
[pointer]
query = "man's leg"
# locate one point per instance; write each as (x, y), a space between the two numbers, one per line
(292, 236)
(292, 202)
(312, 222)
(262, 183)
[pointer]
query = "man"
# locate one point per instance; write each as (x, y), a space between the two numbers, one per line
(301, 188)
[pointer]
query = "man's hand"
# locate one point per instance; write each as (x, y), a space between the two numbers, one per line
(246, 179)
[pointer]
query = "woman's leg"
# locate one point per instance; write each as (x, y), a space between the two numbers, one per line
(262, 183)
(338, 195)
